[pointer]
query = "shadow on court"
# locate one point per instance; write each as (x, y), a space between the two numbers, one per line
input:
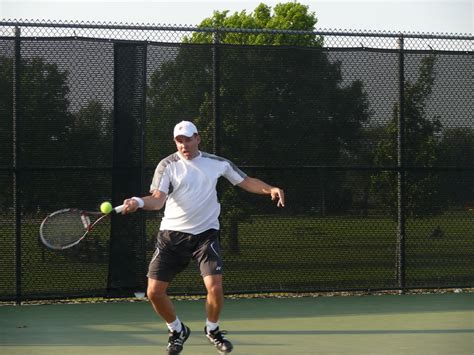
(389, 324)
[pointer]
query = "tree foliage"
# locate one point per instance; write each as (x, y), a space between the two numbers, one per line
(286, 16)
(421, 149)
(49, 135)
(6, 111)
(91, 136)
(281, 99)
(43, 121)
(457, 149)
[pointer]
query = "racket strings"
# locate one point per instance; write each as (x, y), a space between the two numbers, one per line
(65, 228)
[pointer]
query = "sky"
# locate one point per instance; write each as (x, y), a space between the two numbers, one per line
(419, 16)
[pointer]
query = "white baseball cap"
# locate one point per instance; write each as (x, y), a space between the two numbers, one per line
(185, 128)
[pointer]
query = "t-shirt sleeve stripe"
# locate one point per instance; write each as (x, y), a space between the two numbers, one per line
(160, 180)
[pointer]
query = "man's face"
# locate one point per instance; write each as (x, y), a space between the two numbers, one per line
(188, 146)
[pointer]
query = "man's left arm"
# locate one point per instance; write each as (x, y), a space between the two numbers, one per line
(257, 186)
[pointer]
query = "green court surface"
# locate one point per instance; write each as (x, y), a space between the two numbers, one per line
(386, 324)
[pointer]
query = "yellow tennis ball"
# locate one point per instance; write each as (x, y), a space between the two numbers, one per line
(106, 207)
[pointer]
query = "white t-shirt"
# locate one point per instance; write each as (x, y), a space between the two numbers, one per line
(192, 205)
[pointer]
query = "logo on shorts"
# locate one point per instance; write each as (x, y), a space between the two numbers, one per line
(218, 268)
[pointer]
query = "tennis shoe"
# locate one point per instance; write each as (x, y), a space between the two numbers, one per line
(177, 339)
(216, 337)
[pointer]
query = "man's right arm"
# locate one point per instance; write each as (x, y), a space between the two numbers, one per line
(153, 202)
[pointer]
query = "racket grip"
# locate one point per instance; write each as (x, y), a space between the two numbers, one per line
(119, 209)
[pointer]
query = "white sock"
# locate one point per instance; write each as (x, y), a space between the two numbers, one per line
(211, 326)
(175, 326)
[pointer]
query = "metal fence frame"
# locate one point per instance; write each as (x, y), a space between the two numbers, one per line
(20, 28)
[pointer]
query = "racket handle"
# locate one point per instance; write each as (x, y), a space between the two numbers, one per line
(119, 209)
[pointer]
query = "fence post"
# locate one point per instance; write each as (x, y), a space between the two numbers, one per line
(401, 169)
(143, 189)
(216, 92)
(126, 250)
(16, 173)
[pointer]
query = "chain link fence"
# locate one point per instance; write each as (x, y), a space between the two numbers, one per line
(370, 134)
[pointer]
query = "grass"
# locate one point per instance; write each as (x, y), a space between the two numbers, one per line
(275, 253)
(291, 253)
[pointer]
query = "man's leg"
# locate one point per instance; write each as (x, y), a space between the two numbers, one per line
(163, 306)
(214, 304)
(160, 301)
(215, 297)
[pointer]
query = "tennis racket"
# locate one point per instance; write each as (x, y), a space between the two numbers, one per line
(65, 228)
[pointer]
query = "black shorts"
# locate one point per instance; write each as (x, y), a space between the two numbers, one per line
(174, 251)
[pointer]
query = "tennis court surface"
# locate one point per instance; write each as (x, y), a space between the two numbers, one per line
(383, 324)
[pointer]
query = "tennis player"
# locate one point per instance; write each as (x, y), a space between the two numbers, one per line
(185, 183)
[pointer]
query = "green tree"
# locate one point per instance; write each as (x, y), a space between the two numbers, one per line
(457, 149)
(358, 182)
(49, 134)
(176, 92)
(422, 150)
(44, 121)
(6, 136)
(287, 16)
(457, 146)
(91, 136)
(6, 111)
(281, 99)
